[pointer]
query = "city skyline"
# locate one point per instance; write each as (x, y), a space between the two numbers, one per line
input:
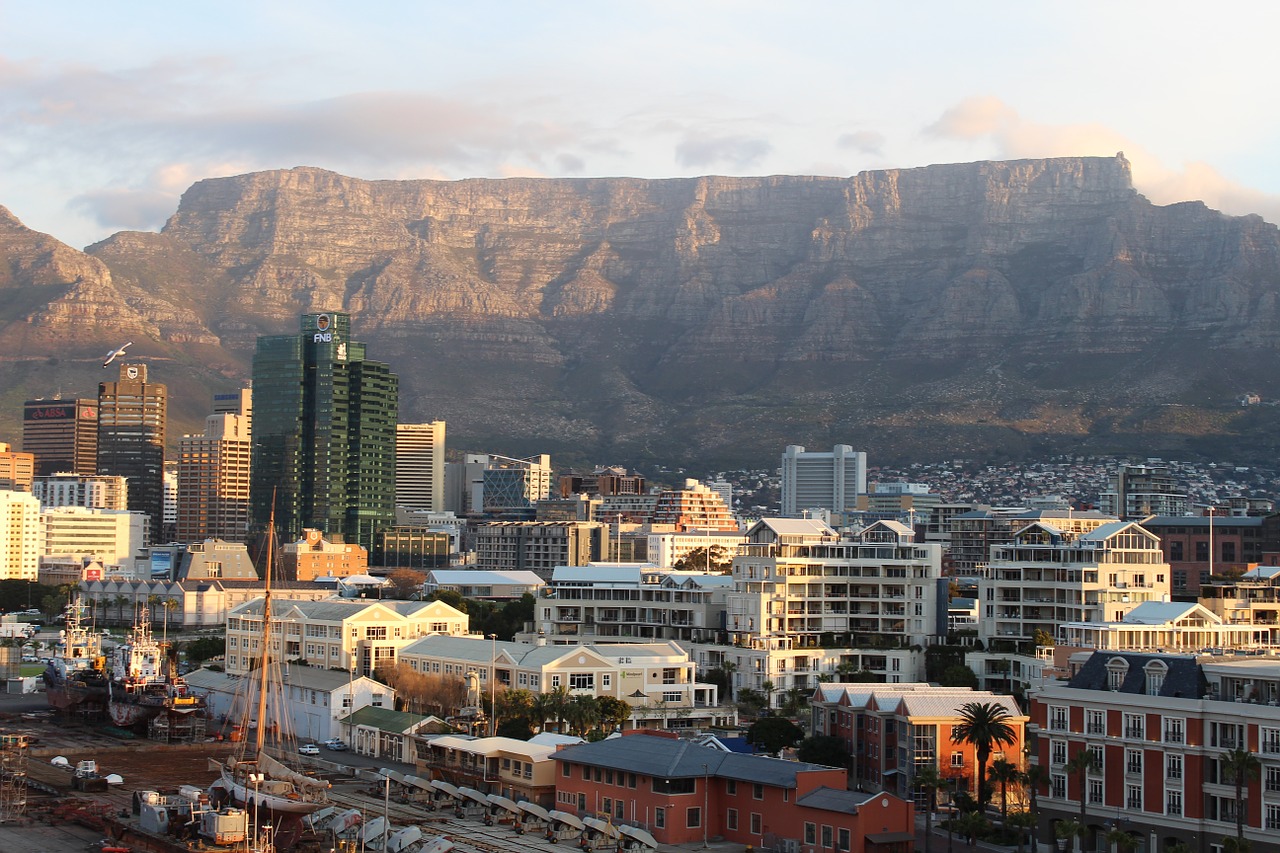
(106, 123)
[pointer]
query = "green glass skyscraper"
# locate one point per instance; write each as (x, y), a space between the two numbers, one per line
(324, 433)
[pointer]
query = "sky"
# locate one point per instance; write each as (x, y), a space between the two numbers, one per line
(109, 111)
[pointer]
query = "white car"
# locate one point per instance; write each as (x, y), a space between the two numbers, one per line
(335, 744)
(309, 749)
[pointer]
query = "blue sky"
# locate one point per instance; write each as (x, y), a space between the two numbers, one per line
(108, 112)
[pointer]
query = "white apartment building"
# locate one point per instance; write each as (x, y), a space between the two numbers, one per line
(657, 679)
(341, 633)
(1070, 570)
(822, 480)
(101, 491)
(1174, 627)
(665, 549)
(630, 602)
(110, 536)
(420, 466)
(21, 536)
(203, 603)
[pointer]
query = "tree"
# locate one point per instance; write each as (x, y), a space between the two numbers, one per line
(614, 713)
(971, 825)
(1240, 766)
(206, 648)
(1032, 778)
(1230, 844)
(1083, 763)
(451, 597)
(827, 750)
(929, 780)
(773, 734)
(767, 688)
(985, 725)
(1006, 774)
(1124, 842)
(752, 702)
(153, 601)
(794, 701)
(1043, 638)
(582, 713)
(120, 601)
(1065, 830)
(1021, 822)
(958, 675)
(713, 559)
(405, 583)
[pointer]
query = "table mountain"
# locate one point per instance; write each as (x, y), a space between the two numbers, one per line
(975, 310)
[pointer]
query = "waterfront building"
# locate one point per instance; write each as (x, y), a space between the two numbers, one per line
(91, 491)
(113, 537)
(21, 536)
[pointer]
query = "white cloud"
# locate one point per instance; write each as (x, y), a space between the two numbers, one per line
(698, 151)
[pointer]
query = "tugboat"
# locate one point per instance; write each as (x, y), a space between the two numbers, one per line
(140, 687)
(74, 678)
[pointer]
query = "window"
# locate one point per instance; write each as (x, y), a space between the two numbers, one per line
(1155, 671)
(1173, 766)
(757, 791)
(1133, 797)
(606, 805)
(1058, 786)
(1133, 761)
(1135, 726)
(956, 734)
(1058, 752)
(842, 840)
(1058, 719)
(1173, 730)
(555, 681)
(586, 773)
(1269, 741)
(608, 778)
(1273, 779)
(671, 696)
(606, 680)
(565, 770)
(375, 632)
(1095, 722)
(1095, 790)
(957, 759)
(1272, 818)
(1098, 757)
(1173, 802)
(731, 819)
(810, 833)
(582, 681)
(731, 787)
(1175, 551)
(755, 823)
(582, 802)
(692, 817)
(826, 836)
(660, 818)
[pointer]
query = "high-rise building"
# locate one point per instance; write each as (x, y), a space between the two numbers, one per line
(695, 507)
(816, 480)
(420, 466)
(1139, 491)
(62, 434)
(132, 419)
(236, 403)
(513, 487)
(17, 469)
(21, 536)
(324, 433)
(95, 492)
(112, 537)
(213, 481)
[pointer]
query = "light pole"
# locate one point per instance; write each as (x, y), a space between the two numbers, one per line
(386, 812)
(706, 779)
(1212, 509)
(493, 685)
(255, 778)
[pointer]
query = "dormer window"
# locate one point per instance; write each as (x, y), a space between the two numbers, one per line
(1117, 670)
(1156, 671)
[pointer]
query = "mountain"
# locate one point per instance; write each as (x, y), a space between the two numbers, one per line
(983, 310)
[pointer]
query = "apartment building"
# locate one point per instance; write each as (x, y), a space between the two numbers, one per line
(21, 536)
(668, 548)
(694, 507)
(630, 602)
(17, 469)
(893, 730)
(536, 546)
(340, 633)
(1069, 570)
(1198, 549)
(113, 537)
(314, 556)
(1252, 600)
(1159, 726)
(89, 491)
(1176, 627)
(1139, 491)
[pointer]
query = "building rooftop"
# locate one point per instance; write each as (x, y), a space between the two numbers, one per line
(384, 719)
(482, 577)
(1183, 677)
(669, 758)
(835, 800)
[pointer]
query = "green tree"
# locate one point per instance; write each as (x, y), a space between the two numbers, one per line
(1032, 778)
(971, 825)
(1082, 764)
(1231, 844)
(773, 734)
(582, 714)
(985, 725)
(1004, 773)
(929, 781)
(751, 701)
(1043, 638)
(714, 559)
(1066, 830)
(959, 675)
(1021, 823)
(120, 602)
(1124, 842)
(206, 648)
(614, 713)
(1240, 766)
(451, 597)
(794, 701)
(827, 750)
(153, 601)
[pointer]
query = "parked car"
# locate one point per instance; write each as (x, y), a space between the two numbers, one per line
(309, 749)
(336, 745)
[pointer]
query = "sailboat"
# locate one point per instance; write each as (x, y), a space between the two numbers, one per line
(257, 780)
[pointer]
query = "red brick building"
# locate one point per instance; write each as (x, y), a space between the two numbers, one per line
(682, 792)
(1237, 544)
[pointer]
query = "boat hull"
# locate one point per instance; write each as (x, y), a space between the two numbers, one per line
(245, 796)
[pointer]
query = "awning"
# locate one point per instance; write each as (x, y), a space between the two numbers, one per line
(534, 810)
(474, 795)
(445, 788)
(419, 783)
(637, 834)
(603, 827)
(566, 818)
(394, 775)
(890, 837)
(504, 803)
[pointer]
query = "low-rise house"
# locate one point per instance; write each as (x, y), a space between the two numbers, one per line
(477, 583)
(382, 732)
(516, 769)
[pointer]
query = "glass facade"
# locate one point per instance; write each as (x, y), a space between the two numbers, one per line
(324, 433)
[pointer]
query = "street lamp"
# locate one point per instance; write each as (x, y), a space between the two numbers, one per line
(255, 778)
(951, 821)
(493, 685)
(706, 777)
(386, 811)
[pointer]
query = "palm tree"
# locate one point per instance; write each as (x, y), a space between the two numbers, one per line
(971, 825)
(767, 688)
(582, 713)
(985, 725)
(794, 699)
(152, 601)
(929, 780)
(1006, 773)
(1021, 822)
(120, 601)
(1124, 842)
(169, 605)
(1032, 778)
(1240, 766)
(1083, 763)
(1065, 830)
(728, 667)
(1231, 844)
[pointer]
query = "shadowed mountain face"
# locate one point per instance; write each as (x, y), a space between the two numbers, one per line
(981, 310)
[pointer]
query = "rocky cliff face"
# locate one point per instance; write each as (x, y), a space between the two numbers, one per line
(950, 310)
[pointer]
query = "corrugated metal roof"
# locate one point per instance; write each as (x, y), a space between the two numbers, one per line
(484, 577)
(1160, 612)
(798, 526)
(836, 800)
(925, 705)
(669, 758)
(384, 719)
(618, 573)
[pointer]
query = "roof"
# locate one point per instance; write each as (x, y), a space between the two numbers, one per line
(619, 573)
(1106, 531)
(308, 677)
(1183, 676)
(472, 577)
(1202, 521)
(798, 527)
(488, 746)
(836, 800)
(481, 650)
(1161, 612)
(939, 704)
(653, 755)
(384, 719)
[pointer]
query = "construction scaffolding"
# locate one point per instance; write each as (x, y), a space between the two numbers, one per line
(178, 728)
(13, 777)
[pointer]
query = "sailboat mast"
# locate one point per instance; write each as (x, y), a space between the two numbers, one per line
(266, 630)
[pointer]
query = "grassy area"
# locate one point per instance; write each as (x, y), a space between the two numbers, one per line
(32, 669)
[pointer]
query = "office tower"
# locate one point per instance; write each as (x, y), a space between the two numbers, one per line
(95, 492)
(817, 480)
(420, 466)
(21, 536)
(132, 415)
(213, 481)
(113, 537)
(62, 434)
(513, 487)
(236, 403)
(324, 433)
(17, 470)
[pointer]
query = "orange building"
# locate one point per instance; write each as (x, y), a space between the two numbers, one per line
(683, 793)
(16, 469)
(695, 507)
(313, 556)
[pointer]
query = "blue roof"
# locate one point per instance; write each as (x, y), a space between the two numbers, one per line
(668, 758)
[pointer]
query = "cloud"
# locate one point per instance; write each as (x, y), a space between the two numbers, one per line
(571, 164)
(740, 152)
(132, 209)
(864, 141)
(989, 118)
